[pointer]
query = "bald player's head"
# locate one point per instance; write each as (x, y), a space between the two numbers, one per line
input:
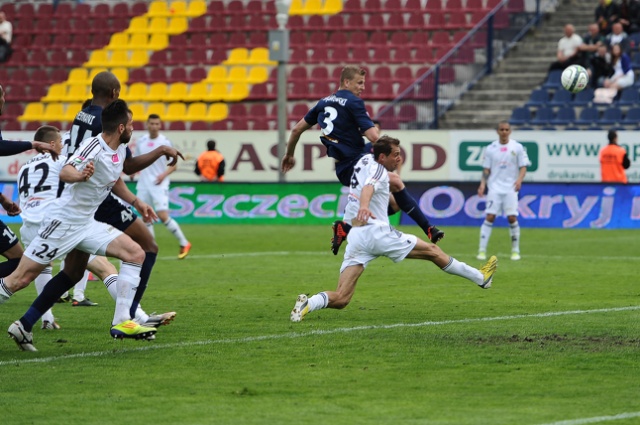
(105, 86)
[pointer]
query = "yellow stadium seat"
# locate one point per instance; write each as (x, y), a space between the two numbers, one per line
(296, 8)
(158, 42)
(313, 7)
(332, 7)
(158, 26)
(72, 110)
(124, 92)
(238, 56)
(258, 74)
(217, 92)
(196, 111)
(158, 8)
(97, 58)
(176, 111)
(138, 24)
(33, 112)
(217, 112)
(138, 111)
(260, 56)
(197, 92)
(122, 74)
(119, 41)
(137, 59)
(177, 92)
(94, 72)
(196, 8)
(138, 41)
(53, 112)
(78, 76)
(177, 25)
(77, 94)
(119, 58)
(178, 8)
(158, 108)
(237, 74)
(157, 92)
(238, 92)
(217, 74)
(57, 93)
(137, 92)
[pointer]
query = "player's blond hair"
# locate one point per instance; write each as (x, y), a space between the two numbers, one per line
(349, 72)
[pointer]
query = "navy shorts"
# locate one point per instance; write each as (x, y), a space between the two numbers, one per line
(112, 212)
(8, 239)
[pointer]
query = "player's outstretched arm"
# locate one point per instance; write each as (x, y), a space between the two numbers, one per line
(9, 206)
(134, 164)
(288, 160)
(9, 147)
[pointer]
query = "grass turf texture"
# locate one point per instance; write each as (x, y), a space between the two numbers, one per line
(233, 357)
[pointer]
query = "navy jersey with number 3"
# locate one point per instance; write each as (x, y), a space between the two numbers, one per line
(343, 119)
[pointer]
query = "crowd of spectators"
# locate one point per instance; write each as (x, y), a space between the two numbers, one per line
(6, 32)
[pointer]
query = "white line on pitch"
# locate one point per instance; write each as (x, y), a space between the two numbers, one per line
(597, 419)
(314, 332)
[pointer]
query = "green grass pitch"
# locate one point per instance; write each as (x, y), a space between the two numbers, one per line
(556, 339)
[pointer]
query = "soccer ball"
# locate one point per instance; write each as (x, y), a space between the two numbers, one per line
(574, 78)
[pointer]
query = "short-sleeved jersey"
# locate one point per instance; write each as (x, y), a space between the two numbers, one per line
(147, 177)
(504, 161)
(38, 182)
(79, 201)
(368, 172)
(343, 119)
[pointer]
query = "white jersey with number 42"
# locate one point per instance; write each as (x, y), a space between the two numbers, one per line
(38, 182)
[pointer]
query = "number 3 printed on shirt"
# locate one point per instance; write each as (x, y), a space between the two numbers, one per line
(330, 114)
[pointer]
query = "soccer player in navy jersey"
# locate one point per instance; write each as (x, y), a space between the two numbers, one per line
(105, 88)
(343, 120)
(10, 248)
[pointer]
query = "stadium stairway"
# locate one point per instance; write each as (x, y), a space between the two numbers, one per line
(523, 69)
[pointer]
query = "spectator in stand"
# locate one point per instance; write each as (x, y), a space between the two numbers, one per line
(613, 161)
(210, 164)
(6, 33)
(568, 49)
(618, 36)
(607, 13)
(622, 72)
(590, 44)
(630, 16)
(600, 67)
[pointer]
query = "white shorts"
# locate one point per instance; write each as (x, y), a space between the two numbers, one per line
(157, 197)
(498, 204)
(55, 239)
(369, 242)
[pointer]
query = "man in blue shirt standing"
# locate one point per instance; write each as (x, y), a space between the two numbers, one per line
(343, 120)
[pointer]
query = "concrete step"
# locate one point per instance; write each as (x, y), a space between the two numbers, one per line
(486, 104)
(496, 95)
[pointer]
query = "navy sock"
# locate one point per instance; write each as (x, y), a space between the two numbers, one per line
(145, 274)
(53, 290)
(7, 267)
(409, 205)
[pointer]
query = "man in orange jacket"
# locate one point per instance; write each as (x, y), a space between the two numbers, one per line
(613, 161)
(210, 164)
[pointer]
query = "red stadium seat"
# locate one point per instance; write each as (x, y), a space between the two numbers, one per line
(235, 7)
(381, 54)
(474, 6)
(197, 73)
(139, 8)
(119, 11)
(382, 73)
(11, 125)
(299, 90)
(375, 22)
(416, 21)
(360, 54)
(399, 38)
(260, 125)
(320, 74)
(241, 124)
(200, 126)
(138, 75)
(335, 23)
(254, 7)
(216, 7)
(237, 111)
(402, 55)
(261, 92)
(339, 38)
(358, 38)
(436, 21)
(453, 6)
(177, 74)
(352, 6)
(298, 73)
(258, 39)
(374, 6)
(440, 38)
(315, 23)
(378, 38)
(219, 126)
(177, 126)
(403, 75)
(407, 113)
(318, 39)
(355, 22)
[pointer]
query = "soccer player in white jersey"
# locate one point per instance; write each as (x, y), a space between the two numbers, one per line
(153, 181)
(504, 167)
(372, 236)
(91, 174)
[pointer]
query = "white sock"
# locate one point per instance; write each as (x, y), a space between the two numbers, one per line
(514, 229)
(40, 281)
(141, 316)
(80, 287)
(151, 230)
(318, 301)
(459, 268)
(174, 228)
(112, 287)
(5, 293)
(485, 235)
(128, 281)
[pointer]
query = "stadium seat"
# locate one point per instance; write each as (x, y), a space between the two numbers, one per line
(238, 92)
(57, 93)
(137, 92)
(611, 116)
(177, 92)
(217, 112)
(553, 80)
(588, 116)
(257, 75)
(538, 97)
(407, 113)
(158, 108)
(543, 116)
(629, 96)
(77, 93)
(565, 116)
(584, 97)
(632, 117)
(53, 112)
(178, 125)
(520, 116)
(176, 111)
(196, 111)
(561, 97)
